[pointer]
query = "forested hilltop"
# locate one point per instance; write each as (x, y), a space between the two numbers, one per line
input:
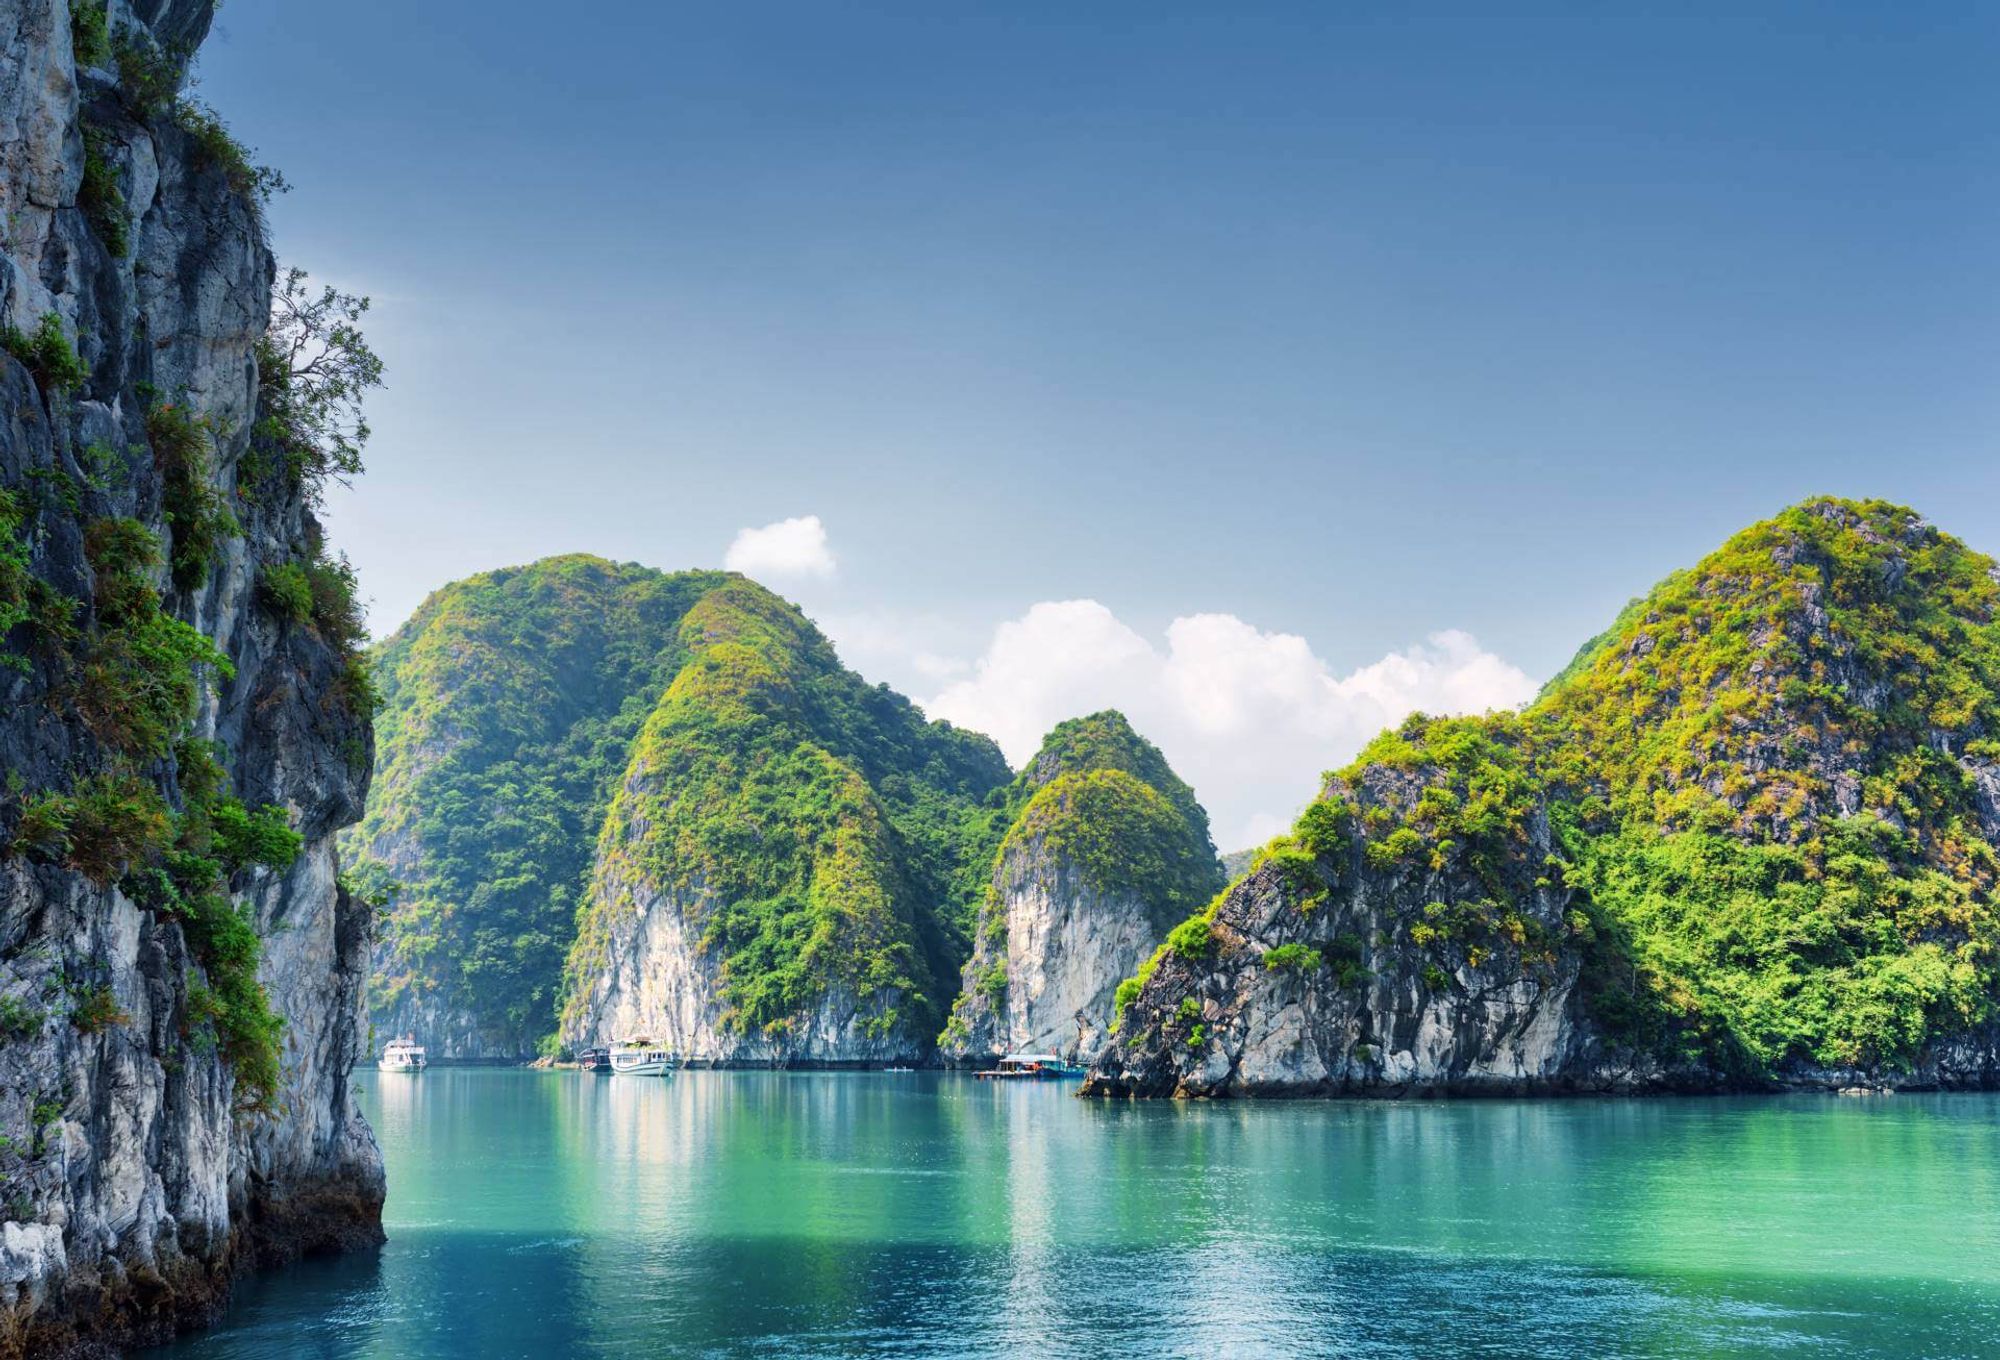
(557, 726)
(509, 704)
(614, 802)
(782, 874)
(1747, 837)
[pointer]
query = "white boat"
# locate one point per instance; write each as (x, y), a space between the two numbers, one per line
(1032, 1067)
(641, 1058)
(403, 1055)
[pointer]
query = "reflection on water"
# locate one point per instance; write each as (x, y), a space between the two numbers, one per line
(547, 1214)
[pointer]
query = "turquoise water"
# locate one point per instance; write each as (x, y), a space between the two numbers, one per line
(772, 1214)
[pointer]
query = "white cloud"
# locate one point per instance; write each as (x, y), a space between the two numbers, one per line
(790, 548)
(1249, 718)
(904, 648)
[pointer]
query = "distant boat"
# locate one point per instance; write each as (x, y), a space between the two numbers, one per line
(899, 1069)
(641, 1058)
(1032, 1067)
(595, 1060)
(403, 1055)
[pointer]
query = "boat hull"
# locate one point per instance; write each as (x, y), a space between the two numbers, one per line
(643, 1062)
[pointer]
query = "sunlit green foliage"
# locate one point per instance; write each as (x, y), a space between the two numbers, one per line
(1299, 958)
(1777, 854)
(1106, 741)
(1757, 790)
(817, 818)
(1125, 836)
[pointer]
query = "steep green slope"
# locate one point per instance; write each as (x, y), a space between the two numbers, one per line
(509, 703)
(1104, 797)
(819, 820)
(1765, 805)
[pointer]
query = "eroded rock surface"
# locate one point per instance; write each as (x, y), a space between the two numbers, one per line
(133, 1186)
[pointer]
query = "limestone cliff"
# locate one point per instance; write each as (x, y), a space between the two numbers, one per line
(1746, 840)
(1107, 848)
(181, 971)
(1325, 970)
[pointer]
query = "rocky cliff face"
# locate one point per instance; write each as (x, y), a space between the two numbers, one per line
(1746, 840)
(169, 879)
(1328, 971)
(1107, 849)
(659, 983)
(1046, 984)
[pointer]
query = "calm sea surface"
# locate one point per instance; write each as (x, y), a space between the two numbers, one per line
(747, 1213)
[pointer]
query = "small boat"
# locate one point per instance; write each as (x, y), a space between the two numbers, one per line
(899, 1069)
(1031, 1067)
(595, 1060)
(641, 1058)
(403, 1055)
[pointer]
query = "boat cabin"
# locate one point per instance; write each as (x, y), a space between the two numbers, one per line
(1031, 1066)
(403, 1055)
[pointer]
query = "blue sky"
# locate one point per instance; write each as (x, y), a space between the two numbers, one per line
(1352, 325)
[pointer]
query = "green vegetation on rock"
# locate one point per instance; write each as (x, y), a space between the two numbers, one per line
(89, 32)
(509, 702)
(1103, 799)
(1768, 798)
(100, 196)
(135, 688)
(48, 353)
(818, 821)
(196, 509)
(692, 729)
(1763, 787)
(1124, 835)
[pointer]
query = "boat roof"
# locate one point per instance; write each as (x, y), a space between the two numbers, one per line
(1030, 1057)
